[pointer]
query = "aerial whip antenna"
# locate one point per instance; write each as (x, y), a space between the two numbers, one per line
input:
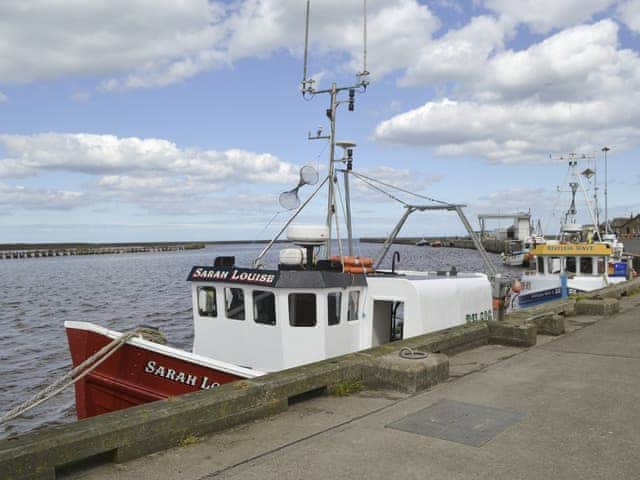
(307, 84)
(364, 40)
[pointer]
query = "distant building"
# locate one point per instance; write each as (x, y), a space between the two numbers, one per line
(626, 227)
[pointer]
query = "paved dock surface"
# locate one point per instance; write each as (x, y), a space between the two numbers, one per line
(568, 408)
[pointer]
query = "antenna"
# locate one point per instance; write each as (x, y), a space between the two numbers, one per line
(364, 71)
(307, 85)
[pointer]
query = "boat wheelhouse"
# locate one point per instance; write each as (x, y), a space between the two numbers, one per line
(301, 316)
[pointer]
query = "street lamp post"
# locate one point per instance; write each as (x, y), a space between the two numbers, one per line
(606, 200)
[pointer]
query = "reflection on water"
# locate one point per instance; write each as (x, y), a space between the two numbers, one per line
(119, 292)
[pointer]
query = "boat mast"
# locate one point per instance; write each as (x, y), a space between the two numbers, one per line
(308, 90)
(570, 215)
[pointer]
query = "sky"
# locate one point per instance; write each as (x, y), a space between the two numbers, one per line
(165, 120)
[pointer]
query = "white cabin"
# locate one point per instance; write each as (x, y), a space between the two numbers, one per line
(271, 320)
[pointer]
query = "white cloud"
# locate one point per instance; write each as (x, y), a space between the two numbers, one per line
(515, 199)
(513, 133)
(629, 13)
(544, 15)
(16, 197)
(581, 62)
(154, 174)
(574, 90)
(81, 96)
(459, 54)
(396, 29)
(145, 43)
(44, 39)
(107, 154)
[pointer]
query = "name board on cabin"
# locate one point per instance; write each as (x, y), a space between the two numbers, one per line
(247, 276)
(569, 249)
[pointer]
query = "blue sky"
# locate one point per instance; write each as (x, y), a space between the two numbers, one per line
(147, 120)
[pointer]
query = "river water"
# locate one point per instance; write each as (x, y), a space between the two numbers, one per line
(122, 292)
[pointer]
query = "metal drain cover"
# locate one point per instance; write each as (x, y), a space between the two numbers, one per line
(458, 422)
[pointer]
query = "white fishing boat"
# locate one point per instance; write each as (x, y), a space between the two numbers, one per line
(561, 269)
(316, 303)
(580, 260)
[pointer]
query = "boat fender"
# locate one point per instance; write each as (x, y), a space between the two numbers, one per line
(516, 287)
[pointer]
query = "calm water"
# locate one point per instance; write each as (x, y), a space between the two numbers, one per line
(119, 292)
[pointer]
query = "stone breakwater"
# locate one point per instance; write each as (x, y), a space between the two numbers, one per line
(13, 253)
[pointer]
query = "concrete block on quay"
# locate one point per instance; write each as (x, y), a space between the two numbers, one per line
(600, 307)
(513, 334)
(406, 375)
(549, 324)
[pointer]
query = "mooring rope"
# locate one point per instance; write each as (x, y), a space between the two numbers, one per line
(411, 354)
(71, 377)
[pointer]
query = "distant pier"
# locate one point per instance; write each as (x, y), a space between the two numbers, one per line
(9, 252)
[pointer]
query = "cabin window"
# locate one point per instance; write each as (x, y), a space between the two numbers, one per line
(354, 301)
(334, 307)
(302, 309)
(540, 262)
(586, 265)
(207, 302)
(601, 265)
(264, 307)
(571, 265)
(234, 303)
(554, 265)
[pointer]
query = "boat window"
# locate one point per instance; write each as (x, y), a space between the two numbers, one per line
(354, 300)
(334, 307)
(571, 265)
(207, 302)
(540, 262)
(302, 309)
(234, 303)
(601, 265)
(264, 307)
(586, 265)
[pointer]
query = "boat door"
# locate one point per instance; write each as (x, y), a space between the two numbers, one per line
(388, 322)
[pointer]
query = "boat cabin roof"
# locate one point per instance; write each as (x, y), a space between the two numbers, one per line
(277, 278)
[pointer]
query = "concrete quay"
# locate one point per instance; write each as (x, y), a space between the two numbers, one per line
(576, 397)
(507, 402)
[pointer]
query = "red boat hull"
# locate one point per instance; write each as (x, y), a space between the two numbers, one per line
(134, 375)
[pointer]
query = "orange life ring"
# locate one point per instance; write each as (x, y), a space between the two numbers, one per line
(354, 261)
(357, 269)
